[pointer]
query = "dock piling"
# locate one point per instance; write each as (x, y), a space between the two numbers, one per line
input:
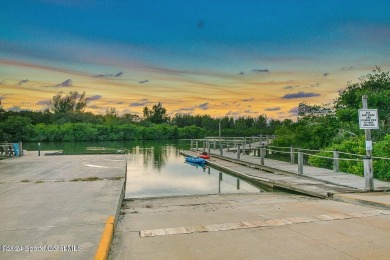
(262, 154)
(292, 154)
(300, 162)
(336, 161)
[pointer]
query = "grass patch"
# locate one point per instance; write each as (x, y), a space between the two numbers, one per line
(25, 181)
(116, 178)
(86, 179)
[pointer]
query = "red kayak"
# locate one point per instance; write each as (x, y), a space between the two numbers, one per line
(204, 156)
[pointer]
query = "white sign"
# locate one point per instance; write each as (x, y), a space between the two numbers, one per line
(368, 119)
(368, 145)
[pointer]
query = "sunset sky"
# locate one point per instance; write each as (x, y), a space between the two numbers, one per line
(222, 58)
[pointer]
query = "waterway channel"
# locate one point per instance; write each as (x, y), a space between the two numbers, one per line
(156, 168)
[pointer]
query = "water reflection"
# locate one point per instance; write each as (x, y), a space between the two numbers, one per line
(155, 168)
(155, 156)
(162, 171)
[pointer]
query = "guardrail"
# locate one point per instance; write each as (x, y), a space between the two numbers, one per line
(297, 155)
(232, 143)
(11, 149)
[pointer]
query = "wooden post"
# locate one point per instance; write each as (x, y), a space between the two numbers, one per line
(204, 146)
(209, 146)
(191, 144)
(215, 144)
(243, 145)
(238, 152)
(39, 149)
(369, 179)
(369, 174)
(220, 142)
(20, 149)
(300, 162)
(336, 161)
(262, 154)
(238, 184)
(196, 145)
(292, 154)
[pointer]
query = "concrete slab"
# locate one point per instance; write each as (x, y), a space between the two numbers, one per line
(50, 206)
(376, 199)
(61, 167)
(363, 237)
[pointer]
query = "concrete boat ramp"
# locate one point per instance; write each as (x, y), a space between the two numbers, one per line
(250, 226)
(56, 207)
(258, 226)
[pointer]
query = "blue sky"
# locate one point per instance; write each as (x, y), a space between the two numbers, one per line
(236, 58)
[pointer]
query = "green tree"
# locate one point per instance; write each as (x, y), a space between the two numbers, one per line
(16, 128)
(376, 86)
(157, 115)
(71, 103)
(111, 115)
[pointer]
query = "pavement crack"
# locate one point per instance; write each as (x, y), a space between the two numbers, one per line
(321, 242)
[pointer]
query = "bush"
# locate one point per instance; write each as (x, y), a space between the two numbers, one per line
(356, 145)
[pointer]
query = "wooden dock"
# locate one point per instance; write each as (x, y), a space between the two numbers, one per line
(314, 181)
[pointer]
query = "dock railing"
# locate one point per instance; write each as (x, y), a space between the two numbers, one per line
(232, 143)
(261, 147)
(11, 149)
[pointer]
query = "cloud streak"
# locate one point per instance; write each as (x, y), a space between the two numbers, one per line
(272, 109)
(66, 83)
(109, 75)
(22, 82)
(204, 106)
(43, 103)
(142, 102)
(300, 95)
(290, 87)
(93, 98)
(260, 71)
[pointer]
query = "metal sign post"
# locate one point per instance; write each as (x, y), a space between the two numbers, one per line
(368, 119)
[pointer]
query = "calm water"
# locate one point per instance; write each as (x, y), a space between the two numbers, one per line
(167, 175)
(156, 168)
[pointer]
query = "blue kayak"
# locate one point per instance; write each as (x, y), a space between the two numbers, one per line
(195, 159)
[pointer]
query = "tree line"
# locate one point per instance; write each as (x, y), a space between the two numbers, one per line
(65, 119)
